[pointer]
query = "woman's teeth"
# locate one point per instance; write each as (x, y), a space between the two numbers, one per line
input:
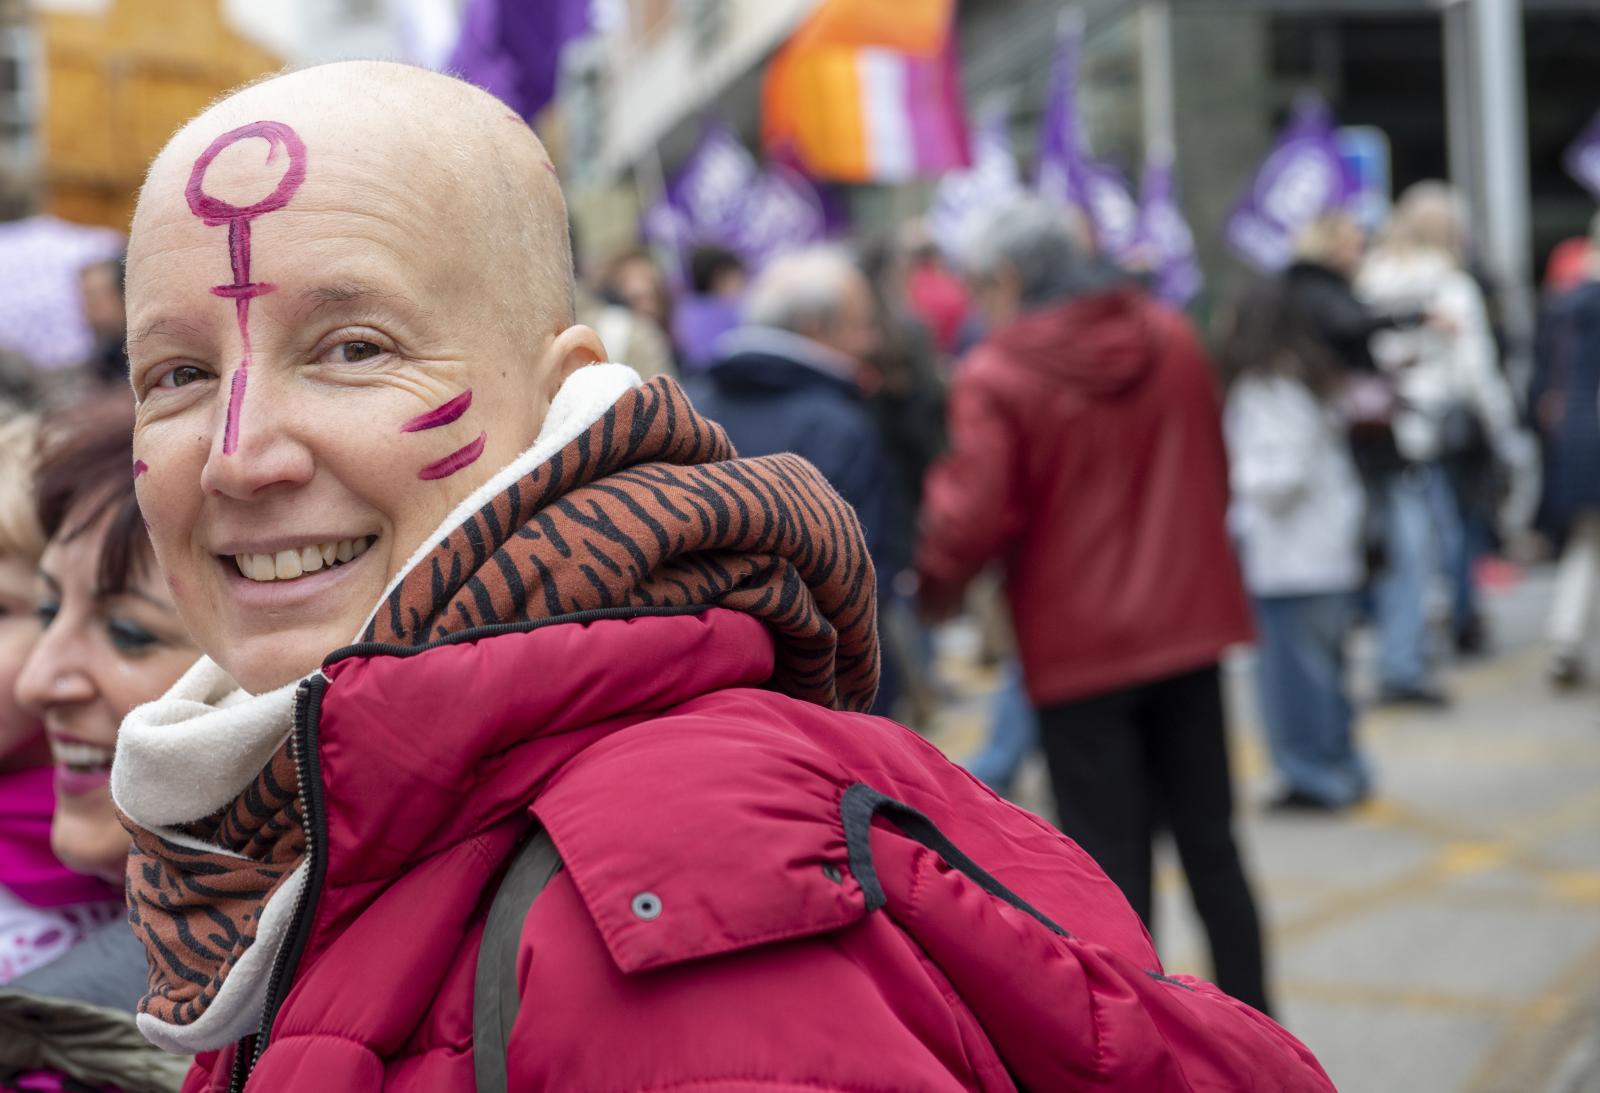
(286, 565)
(79, 756)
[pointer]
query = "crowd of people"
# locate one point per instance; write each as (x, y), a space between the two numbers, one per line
(288, 859)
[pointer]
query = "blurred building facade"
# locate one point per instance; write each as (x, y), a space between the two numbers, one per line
(1213, 78)
(306, 32)
(106, 84)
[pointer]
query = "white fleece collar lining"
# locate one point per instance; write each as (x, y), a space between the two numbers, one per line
(194, 749)
(188, 753)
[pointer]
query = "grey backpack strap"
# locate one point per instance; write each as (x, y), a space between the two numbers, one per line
(495, 998)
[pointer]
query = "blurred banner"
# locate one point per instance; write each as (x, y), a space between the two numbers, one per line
(513, 49)
(1582, 160)
(426, 31)
(991, 179)
(1303, 177)
(1365, 151)
(1165, 243)
(722, 195)
(1066, 173)
(41, 304)
(868, 92)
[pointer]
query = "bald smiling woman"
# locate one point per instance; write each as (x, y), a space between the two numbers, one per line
(473, 601)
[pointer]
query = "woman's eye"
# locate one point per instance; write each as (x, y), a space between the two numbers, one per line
(47, 612)
(357, 351)
(182, 376)
(130, 637)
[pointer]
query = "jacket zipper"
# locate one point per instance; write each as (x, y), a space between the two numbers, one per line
(308, 768)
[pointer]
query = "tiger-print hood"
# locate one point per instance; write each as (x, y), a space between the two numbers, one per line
(629, 501)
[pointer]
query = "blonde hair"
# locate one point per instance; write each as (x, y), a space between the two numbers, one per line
(1319, 239)
(20, 536)
(1429, 216)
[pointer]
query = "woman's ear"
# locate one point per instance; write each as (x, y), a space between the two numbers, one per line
(572, 349)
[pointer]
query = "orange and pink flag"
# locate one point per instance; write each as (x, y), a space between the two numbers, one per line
(868, 91)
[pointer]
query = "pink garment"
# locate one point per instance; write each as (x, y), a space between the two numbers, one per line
(938, 298)
(27, 865)
(718, 924)
(51, 1081)
(45, 908)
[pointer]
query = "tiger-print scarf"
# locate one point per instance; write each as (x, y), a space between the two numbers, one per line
(649, 507)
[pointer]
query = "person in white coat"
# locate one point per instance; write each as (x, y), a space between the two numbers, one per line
(1456, 421)
(1297, 515)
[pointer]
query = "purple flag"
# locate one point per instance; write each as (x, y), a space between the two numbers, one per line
(1112, 211)
(513, 49)
(1166, 244)
(782, 211)
(711, 187)
(1067, 174)
(1303, 177)
(1583, 158)
(722, 195)
(991, 179)
(1060, 146)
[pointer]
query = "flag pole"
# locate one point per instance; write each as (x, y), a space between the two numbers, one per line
(1155, 77)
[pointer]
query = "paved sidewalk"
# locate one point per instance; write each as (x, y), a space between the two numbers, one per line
(1447, 936)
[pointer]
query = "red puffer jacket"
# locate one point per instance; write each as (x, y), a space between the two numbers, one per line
(810, 931)
(1086, 453)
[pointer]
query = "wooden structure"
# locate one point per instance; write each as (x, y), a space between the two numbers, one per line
(117, 84)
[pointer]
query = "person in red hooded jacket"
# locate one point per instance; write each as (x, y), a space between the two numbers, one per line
(464, 589)
(1086, 452)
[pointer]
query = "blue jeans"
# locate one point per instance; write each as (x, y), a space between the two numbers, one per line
(1423, 532)
(1013, 733)
(1463, 539)
(1305, 708)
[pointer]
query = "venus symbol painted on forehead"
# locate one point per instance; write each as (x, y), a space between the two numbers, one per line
(213, 211)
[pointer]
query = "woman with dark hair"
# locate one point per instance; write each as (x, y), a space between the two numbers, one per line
(1297, 515)
(45, 908)
(111, 640)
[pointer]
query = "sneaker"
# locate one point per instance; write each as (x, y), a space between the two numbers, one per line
(1293, 800)
(1566, 671)
(1422, 696)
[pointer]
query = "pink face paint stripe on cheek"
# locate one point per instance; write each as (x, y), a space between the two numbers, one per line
(440, 415)
(453, 462)
(139, 467)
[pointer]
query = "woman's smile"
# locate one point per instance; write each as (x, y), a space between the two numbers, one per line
(81, 766)
(295, 562)
(292, 575)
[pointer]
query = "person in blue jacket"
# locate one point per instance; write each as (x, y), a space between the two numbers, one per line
(789, 379)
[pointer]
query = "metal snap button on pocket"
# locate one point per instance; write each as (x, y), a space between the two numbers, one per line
(646, 906)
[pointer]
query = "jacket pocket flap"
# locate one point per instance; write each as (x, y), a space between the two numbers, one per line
(678, 860)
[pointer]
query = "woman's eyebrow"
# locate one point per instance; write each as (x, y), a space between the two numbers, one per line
(164, 326)
(134, 593)
(314, 300)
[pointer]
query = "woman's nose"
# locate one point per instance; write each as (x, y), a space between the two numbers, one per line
(53, 675)
(263, 453)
